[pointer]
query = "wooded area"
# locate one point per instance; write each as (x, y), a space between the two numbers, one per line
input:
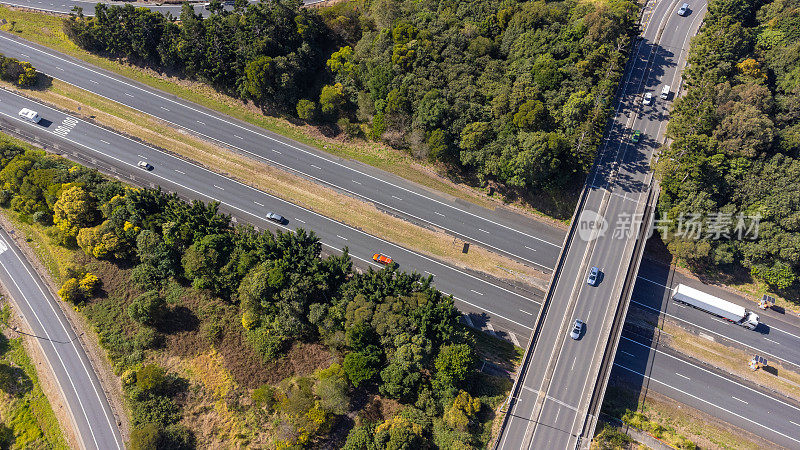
(511, 92)
(736, 142)
(163, 278)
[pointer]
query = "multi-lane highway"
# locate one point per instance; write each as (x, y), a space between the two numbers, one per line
(91, 416)
(552, 401)
(114, 153)
(118, 154)
(642, 362)
(67, 6)
(496, 231)
(513, 312)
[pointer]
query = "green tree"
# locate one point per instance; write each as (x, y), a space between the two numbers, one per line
(453, 364)
(74, 210)
(306, 109)
(147, 308)
(360, 367)
(331, 99)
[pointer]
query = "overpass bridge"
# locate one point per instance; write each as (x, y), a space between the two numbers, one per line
(558, 393)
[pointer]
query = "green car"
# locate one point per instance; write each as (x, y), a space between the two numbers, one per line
(636, 136)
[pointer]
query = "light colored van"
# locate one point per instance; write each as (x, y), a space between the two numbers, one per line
(665, 92)
(29, 115)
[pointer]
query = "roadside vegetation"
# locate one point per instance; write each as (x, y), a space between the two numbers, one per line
(736, 147)
(26, 418)
(507, 96)
(288, 186)
(225, 335)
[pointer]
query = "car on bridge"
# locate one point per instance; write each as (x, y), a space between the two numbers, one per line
(577, 327)
(594, 277)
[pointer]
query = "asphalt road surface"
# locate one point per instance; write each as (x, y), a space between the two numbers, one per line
(650, 293)
(66, 6)
(556, 389)
(490, 303)
(641, 362)
(514, 235)
(88, 406)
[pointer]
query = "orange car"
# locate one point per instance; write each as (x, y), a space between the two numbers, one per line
(382, 259)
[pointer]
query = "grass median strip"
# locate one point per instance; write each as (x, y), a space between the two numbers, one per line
(46, 29)
(296, 189)
(733, 360)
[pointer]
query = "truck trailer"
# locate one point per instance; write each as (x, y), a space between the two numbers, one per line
(715, 305)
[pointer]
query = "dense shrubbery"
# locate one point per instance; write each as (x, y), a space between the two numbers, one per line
(18, 72)
(512, 92)
(737, 139)
(398, 336)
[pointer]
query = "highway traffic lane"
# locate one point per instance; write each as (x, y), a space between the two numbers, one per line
(774, 338)
(490, 300)
(764, 414)
(499, 232)
(89, 411)
(567, 397)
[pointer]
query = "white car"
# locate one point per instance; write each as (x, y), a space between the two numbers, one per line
(144, 165)
(577, 327)
(683, 9)
(647, 99)
(29, 115)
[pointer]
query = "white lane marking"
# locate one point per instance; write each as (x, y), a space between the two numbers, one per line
(301, 221)
(682, 375)
(355, 230)
(768, 339)
(430, 273)
(712, 331)
(66, 333)
(795, 423)
(201, 123)
(526, 312)
(398, 198)
(573, 364)
(341, 237)
(95, 82)
(706, 402)
(129, 94)
(237, 136)
(740, 400)
(438, 213)
(785, 332)
(312, 165)
(712, 373)
(165, 109)
(281, 153)
(105, 142)
(182, 173)
(140, 156)
(219, 187)
(312, 154)
(473, 290)
(259, 204)
(531, 249)
(483, 231)
(356, 182)
(3, 246)
(59, 68)
(629, 354)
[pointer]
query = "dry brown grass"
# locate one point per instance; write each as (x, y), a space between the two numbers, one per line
(359, 214)
(732, 360)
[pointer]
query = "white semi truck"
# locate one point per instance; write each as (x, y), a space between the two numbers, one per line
(715, 305)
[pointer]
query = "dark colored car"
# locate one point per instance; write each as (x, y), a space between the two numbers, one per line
(277, 218)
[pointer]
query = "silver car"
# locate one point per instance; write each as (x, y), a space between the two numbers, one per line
(277, 218)
(577, 327)
(683, 9)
